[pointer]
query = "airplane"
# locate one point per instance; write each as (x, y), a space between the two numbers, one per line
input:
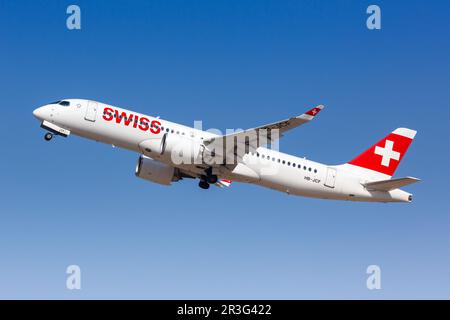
(169, 152)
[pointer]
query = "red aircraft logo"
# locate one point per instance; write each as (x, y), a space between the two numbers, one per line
(134, 120)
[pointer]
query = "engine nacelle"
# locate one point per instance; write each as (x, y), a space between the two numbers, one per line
(178, 150)
(151, 147)
(181, 150)
(155, 171)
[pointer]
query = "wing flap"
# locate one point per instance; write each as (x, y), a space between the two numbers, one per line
(390, 184)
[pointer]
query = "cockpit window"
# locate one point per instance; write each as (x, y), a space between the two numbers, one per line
(64, 103)
(56, 102)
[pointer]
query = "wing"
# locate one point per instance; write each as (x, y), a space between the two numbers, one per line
(390, 184)
(258, 136)
(281, 126)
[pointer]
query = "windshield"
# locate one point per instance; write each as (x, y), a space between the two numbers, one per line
(63, 103)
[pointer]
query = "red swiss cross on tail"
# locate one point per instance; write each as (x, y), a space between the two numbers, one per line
(385, 155)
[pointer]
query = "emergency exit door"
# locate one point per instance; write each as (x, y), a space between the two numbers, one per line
(331, 177)
(91, 111)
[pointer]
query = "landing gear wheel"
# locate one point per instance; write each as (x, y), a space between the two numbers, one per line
(203, 184)
(212, 179)
(48, 136)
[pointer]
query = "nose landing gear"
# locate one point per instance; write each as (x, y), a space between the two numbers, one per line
(48, 136)
(52, 130)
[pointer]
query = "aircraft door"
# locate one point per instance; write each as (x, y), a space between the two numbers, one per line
(91, 111)
(331, 177)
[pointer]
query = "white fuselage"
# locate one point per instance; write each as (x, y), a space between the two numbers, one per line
(265, 167)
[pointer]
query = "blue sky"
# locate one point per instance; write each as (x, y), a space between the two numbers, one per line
(232, 64)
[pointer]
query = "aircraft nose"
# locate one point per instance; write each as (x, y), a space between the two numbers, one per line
(39, 113)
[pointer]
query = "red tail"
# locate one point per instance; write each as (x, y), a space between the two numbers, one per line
(385, 155)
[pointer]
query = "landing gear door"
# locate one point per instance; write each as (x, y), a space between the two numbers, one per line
(331, 177)
(91, 111)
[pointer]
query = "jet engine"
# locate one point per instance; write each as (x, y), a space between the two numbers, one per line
(181, 150)
(178, 150)
(155, 171)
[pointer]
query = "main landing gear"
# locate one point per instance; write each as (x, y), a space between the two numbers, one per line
(203, 184)
(206, 180)
(48, 136)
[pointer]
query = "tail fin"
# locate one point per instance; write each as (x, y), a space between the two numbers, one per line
(385, 156)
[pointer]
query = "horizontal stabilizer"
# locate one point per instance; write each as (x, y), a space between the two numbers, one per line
(391, 184)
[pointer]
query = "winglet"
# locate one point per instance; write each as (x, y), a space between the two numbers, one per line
(310, 114)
